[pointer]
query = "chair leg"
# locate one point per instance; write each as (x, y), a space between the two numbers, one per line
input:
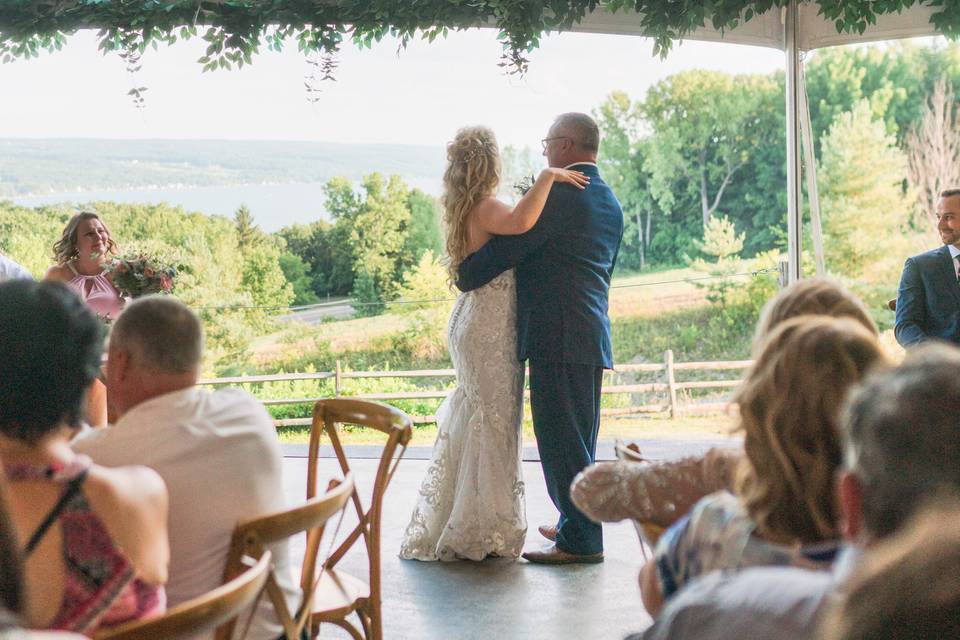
(365, 623)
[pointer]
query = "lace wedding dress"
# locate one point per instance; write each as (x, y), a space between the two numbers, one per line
(471, 501)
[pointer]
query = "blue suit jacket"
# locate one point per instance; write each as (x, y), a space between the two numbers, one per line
(928, 302)
(563, 268)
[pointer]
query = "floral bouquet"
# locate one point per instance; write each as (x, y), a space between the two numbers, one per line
(137, 276)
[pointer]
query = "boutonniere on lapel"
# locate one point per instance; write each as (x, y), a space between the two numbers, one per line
(524, 185)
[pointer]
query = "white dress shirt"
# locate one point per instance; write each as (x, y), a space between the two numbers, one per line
(10, 270)
(219, 455)
(955, 254)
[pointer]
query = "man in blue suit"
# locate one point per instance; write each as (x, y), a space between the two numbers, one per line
(563, 270)
(928, 302)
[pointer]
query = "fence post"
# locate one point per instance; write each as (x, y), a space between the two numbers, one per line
(336, 381)
(671, 384)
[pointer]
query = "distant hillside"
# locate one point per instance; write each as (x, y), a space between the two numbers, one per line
(39, 166)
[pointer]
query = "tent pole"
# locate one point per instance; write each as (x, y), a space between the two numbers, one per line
(813, 193)
(794, 210)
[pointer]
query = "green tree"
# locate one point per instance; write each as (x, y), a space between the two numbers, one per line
(312, 243)
(861, 185)
(297, 273)
(423, 230)
(621, 160)
(248, 234)
(373, 229)
(702, 124)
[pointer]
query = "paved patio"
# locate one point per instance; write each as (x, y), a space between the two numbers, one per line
(498, 599)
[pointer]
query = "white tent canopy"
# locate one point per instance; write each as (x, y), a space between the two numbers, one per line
(792, 29)
(767, 29)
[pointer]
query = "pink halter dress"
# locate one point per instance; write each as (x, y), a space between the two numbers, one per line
(98, 292)
(100, 588)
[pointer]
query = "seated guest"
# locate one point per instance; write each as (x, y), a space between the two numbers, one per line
(661, 493)
(218, 452)
(95, 537)
(901, 448)
(782, 512)
(928, 301)
(907, 588)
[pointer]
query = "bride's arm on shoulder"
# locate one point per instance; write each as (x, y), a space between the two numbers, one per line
(497, 218)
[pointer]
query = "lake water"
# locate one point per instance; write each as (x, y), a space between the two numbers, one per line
(273, 205)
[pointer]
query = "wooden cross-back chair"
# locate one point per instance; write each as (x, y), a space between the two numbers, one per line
(252, 537)
(203, 613)
(339, 594)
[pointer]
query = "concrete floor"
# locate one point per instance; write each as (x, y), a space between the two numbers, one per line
(498, 599)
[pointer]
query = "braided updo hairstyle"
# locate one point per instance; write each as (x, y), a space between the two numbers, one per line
(473, 173)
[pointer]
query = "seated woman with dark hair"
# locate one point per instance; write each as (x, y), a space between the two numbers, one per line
(95, 538)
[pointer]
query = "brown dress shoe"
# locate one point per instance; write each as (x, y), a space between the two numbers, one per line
(548, 531)
(553, 555)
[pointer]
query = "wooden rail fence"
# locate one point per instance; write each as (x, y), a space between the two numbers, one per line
(670, 387)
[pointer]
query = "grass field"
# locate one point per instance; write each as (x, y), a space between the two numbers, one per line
(629, 429)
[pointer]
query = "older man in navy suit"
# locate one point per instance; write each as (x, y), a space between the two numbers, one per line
(928, 302)
(563, 269)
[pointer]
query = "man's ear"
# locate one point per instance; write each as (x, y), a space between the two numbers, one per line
(118, 363)
(849, 491)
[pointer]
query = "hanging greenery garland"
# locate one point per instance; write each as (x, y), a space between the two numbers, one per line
(236, 30)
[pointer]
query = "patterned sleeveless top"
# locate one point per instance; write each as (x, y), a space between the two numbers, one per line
(100, 587)
(98, 292)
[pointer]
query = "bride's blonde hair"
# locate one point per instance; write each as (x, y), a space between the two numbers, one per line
(473, 173)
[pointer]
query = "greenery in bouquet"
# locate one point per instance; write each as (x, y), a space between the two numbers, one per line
(139, 275)
(524, 185)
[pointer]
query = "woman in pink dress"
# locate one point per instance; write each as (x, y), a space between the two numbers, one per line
(81, 254)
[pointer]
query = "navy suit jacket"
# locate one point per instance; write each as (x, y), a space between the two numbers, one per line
(563, 269)
(928, 302)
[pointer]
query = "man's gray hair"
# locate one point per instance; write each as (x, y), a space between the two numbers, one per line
(161, 334)
(582, 130)
(902, 431)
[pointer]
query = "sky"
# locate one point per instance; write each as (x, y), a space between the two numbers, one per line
(420, 95)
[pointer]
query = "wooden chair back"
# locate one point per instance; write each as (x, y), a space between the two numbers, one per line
(203, 613)
(252, 537)
(397, 427)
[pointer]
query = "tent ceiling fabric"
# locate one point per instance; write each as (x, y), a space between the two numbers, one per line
(766, 30)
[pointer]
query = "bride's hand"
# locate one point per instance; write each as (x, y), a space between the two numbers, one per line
(576, 178)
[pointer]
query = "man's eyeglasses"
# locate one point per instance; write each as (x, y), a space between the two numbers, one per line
(545, 141)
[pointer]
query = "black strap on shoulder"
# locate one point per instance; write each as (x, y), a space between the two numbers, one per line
(73, 487)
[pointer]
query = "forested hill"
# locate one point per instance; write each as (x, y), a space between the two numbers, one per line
(38, 166)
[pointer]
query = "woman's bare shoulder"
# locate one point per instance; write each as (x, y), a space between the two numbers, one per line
(490, 206)
(58, 272)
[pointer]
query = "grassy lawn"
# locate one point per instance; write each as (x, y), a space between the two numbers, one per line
(633, 428)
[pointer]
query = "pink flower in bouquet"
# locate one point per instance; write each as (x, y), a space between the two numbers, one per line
(121, 267)
(166, 282)
(148, 272)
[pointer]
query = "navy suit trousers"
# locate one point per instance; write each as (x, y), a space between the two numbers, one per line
(565, 400)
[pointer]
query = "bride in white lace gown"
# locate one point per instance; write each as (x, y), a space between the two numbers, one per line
(470, 503)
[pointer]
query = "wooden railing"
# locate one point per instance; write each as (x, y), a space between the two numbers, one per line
(670, 387)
